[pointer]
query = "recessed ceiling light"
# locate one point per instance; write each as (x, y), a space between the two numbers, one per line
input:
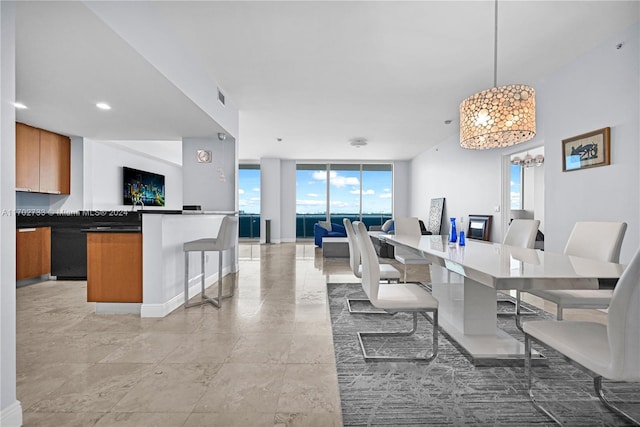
(103, 106)
(19, 105)
(358, 142)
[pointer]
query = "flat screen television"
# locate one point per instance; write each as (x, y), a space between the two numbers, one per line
(141, 186)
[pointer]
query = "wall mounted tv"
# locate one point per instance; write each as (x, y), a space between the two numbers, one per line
(140, 186)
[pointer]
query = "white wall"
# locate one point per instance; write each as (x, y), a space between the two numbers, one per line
(270, 198)
(599, 89)
(288, 200)
(402, 189)
(538, 196)
(469, 180)
(103, 164)
(10, 409)
(202, 184)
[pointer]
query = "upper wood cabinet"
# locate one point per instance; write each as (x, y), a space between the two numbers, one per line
(27, 158)
(55, 163)
(43, 161)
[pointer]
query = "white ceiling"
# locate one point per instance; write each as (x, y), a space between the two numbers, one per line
(315, 74)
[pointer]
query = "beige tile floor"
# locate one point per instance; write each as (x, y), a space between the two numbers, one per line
(265, 358)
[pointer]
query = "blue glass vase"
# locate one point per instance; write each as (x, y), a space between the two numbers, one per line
(461, 241)
(453, 235)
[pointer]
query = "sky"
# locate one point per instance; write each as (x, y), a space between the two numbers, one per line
(311, 191)
(516, 188)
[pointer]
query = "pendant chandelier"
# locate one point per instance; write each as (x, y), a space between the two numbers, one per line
(500, 116)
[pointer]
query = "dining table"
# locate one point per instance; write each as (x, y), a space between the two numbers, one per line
(466, 281)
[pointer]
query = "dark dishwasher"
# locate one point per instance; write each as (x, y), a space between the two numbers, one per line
(68, 253)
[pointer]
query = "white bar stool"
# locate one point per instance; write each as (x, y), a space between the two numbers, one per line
(226, 240)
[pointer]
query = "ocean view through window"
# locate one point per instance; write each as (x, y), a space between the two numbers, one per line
(249, 201)
(331, 192)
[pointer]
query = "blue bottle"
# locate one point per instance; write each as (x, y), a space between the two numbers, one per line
(453, 235)
(461, 241)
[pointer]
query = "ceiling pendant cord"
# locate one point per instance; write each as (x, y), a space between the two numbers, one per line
(498, 117)
(495, 46)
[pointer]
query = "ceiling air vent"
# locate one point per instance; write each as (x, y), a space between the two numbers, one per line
(220, 97)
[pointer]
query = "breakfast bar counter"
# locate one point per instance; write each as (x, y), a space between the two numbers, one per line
(163, 236)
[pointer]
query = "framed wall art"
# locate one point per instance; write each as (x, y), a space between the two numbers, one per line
(588, 150)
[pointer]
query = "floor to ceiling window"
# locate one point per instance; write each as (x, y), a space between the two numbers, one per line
(249, 201)
(332, 192)
(311, 197)
(377, 194)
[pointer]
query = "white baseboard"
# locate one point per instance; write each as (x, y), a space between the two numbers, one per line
(11, 416)
(161, 310)
(117, 308)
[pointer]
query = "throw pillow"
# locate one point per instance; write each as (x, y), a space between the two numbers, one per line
(387, 225)
(325, 224)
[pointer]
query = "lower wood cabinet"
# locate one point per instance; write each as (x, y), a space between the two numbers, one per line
(114, 267)
(33, 252)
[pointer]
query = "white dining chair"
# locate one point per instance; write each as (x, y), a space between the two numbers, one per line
(387, 271)
(610, 351)
(225, 241)
(521, 233)
(408, 227)
(393, 298)
(589, 239)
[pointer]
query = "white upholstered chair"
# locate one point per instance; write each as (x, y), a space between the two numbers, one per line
(407, 227)
(589, 239)
(397, 297)
(387, 271)
(522, 233)
(226, 240)
(610, 351)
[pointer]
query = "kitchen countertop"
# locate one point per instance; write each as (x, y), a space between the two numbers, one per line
(114, 229)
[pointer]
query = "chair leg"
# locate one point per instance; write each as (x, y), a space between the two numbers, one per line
(426, 358)
(353, 311)
(518, 311)
(527, 364)
(204, 299)
(559, 312)
(597, 384)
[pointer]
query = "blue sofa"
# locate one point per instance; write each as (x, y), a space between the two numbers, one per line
(319, 232)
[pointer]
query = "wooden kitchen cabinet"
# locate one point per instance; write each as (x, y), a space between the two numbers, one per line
(55, 163)
(27, 158)
(43, 161)
(114, 267)
(33, 252)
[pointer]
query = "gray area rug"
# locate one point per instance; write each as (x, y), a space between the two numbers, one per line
(450, 390)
